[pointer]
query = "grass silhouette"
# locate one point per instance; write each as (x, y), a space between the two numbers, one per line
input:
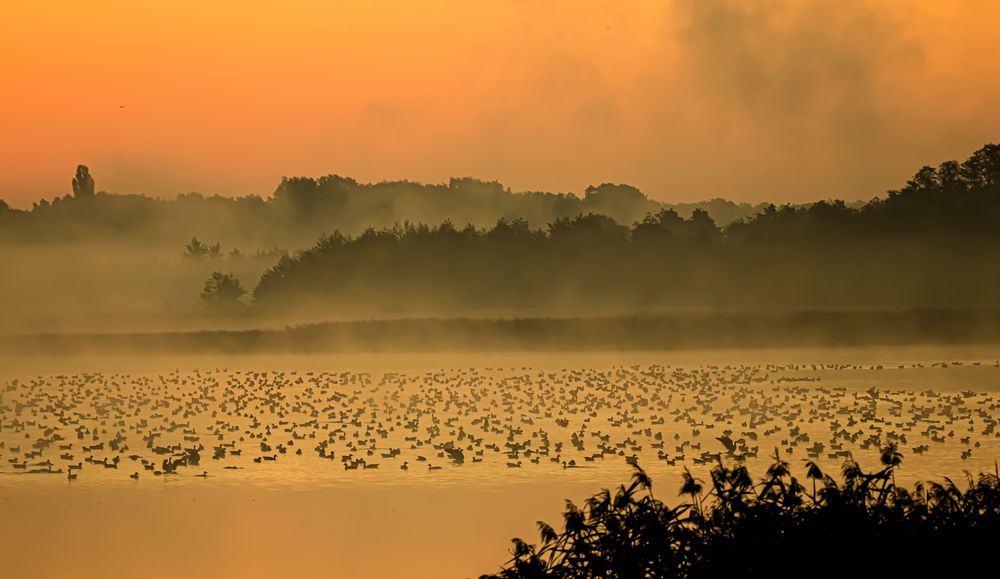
(861, 525)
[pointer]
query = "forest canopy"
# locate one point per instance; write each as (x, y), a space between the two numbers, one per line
(931, 243)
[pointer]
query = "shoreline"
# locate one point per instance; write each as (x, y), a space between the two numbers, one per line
(655, 332)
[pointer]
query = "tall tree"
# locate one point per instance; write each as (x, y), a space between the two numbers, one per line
(83, 183)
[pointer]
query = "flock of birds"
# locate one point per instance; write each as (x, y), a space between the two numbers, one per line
(206, 423)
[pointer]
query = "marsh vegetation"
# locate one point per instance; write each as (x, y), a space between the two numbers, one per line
(851, 524)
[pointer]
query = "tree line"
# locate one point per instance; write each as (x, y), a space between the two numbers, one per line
(931, 243)
(303, 208)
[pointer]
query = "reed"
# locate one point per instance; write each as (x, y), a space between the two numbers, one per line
(859, 525)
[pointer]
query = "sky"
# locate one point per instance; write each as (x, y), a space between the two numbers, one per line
(776, 100)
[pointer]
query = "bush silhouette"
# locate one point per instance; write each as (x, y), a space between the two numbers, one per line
(862, 526)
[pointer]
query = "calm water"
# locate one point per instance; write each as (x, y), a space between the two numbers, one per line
(294, 466)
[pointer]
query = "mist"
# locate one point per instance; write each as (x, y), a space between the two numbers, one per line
(332, 250)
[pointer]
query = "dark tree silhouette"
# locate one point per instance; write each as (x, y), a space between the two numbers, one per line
(195, 249)
(83, 183)
(924, 246)
(222, 288)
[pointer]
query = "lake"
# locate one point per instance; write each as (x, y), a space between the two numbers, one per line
(292, 466)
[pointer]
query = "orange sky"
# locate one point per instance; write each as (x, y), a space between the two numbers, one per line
(784, 100)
